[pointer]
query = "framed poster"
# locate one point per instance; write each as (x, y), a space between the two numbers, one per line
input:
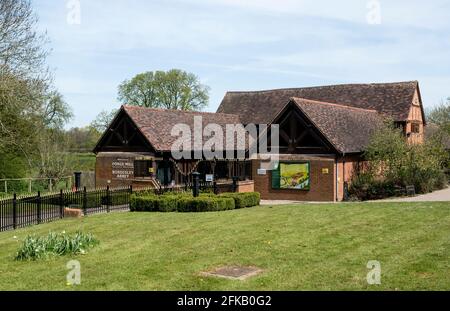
(291, 175)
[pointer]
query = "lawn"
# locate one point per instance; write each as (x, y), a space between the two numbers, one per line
(81, 162)
(300, 247)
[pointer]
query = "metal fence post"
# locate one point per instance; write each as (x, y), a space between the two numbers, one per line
(196, 187)
(215, 189)
(38, 204)
(235, 180)
(108, 199)
(61, 204)
(84, 201)
(129, 195)
(15, 211)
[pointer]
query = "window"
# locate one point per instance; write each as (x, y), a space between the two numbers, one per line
(415, 128)
(143, 168)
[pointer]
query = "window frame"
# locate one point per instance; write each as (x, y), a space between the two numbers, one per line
(144, 171)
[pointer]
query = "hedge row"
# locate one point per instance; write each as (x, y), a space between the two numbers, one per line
(187, 203)
(243, 200)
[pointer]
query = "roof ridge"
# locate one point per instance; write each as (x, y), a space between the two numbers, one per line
(324, 86)
(334, 104)
(179, 111)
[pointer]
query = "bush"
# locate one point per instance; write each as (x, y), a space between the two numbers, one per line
(365, 187)
(167, 203)
(184, 202)
(57, 244)
(243, 200)
(115, 199)
(395, 164)
(154, 203)
(143, 203)
(205, 204)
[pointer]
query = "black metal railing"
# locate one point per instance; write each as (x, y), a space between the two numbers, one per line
(22, 211)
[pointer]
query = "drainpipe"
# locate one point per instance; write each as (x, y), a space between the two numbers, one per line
(337, 174)
(337, 178)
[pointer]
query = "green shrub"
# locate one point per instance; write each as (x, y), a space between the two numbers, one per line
(394, 164)
(154, 203)
(56, 244)
(242, 200)
(167, 203)
(205, 204)
(365, 187)
(143, 203)
(184, 202)
(115, 199)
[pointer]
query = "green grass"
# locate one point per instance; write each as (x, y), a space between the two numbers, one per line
(300, 247)
(81, 162)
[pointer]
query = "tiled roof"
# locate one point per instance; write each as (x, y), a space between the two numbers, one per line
(393, 99)
(348, 129)
(157, 124)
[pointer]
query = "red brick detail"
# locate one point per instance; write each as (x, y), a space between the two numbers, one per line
(323, 187)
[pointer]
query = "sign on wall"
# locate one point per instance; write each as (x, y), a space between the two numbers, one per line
(290, 175)
(123, 168)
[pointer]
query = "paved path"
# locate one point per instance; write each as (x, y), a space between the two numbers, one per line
(437, 196)
(284, 202)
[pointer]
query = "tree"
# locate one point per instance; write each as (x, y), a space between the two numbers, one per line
(82, 139)
(22, 48)
(52, 156)
(139, 91)
(29, 105)
(174, 89)
(440, 115)
(55, 111)
(393, 162)
(103, 120)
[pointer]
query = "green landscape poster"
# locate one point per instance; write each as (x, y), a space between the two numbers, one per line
(294, 176)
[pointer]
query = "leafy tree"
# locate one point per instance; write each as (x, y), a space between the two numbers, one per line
(55, 111)
(102, 120)
(22, 48)
(52, 155)
(82, 139)
(29, 105)
(139, 91)
(440, 115)
(393, 162)
(174, 89)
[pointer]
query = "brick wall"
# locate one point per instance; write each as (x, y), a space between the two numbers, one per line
(104, 170)
(322, 176)
(347, 167)
(246, 186)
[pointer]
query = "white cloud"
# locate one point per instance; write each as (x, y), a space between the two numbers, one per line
(239, 44)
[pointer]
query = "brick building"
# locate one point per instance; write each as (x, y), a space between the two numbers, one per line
(323, 133)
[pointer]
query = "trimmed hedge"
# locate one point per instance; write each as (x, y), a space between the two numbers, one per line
(242, 200)
(184, 202)
(153, 203)
(205, 204)
(115, 199)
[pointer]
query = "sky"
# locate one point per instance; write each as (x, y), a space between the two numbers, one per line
(234, 45)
